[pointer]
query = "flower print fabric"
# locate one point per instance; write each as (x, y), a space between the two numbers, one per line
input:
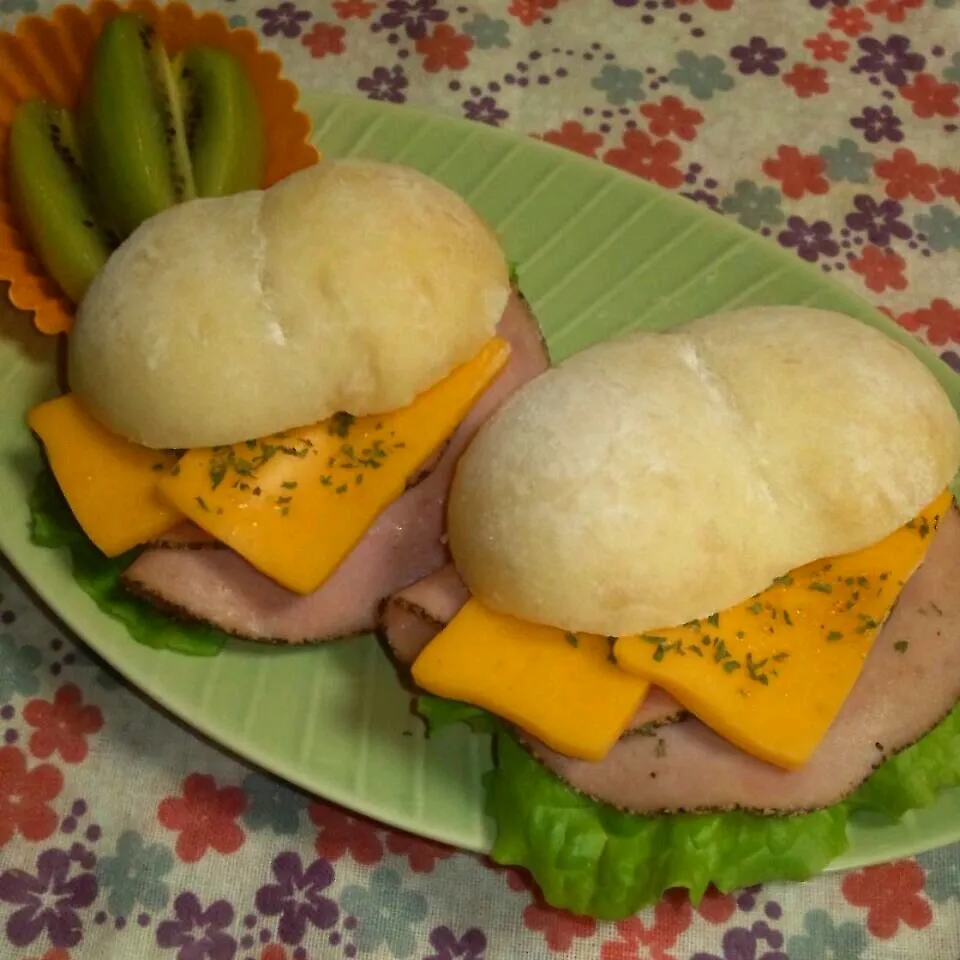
(833, 133)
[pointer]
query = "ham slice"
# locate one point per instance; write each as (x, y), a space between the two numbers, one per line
(187, 536)
(411, 618)
(404, 545)
(900, 695)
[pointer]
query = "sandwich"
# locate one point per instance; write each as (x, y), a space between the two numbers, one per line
(704, 593)
(266, 394)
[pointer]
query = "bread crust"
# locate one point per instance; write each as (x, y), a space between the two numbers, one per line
(351, 285)
(661, 477)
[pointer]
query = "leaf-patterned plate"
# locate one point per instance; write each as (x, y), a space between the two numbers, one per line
(598, 252)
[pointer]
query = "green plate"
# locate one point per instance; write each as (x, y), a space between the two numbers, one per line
(599, 252)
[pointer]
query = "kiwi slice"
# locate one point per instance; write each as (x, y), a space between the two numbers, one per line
(223, 122)
(50, 195)
(132, 127)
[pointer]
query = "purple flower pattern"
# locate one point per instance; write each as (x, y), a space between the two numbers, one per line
(285, 19)
(198, 934)
(878, 124)
(758, 56)
(47, 901)
(54, 903)
(810, 240)
(385, 84)
(449, 946)
(739, 943)
(297, 897)
(415, 16)
(879, 221)
(485, 110)
(892, 58)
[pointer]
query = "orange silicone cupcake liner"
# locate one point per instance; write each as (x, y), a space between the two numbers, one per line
(49, 56)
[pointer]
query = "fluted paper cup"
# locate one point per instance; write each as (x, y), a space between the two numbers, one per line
(49, 57)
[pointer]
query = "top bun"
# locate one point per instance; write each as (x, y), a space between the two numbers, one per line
(351, 285)
(662, 477)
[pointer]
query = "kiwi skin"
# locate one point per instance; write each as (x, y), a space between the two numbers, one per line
(50, 196)
(149, 134)
(132, 127)
(223, 122)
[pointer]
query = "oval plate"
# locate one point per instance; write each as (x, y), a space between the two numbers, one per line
(598, 252)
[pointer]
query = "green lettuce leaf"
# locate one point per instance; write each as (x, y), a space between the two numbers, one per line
(593, 859)
(590, 858)
(439, 713)
(53, 525)
(913, 778)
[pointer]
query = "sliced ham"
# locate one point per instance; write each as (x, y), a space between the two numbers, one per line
(411, 618)
(186, 536)
(900, 695)
(403, 546)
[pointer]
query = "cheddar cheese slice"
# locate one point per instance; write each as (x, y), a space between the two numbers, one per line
(771, 674)
(294, 505)
(560, 687)
(109, 482)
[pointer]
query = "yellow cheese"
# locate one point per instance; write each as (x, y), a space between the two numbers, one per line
(771, 674)
(109, 483)
(294, 505)
(560, 687)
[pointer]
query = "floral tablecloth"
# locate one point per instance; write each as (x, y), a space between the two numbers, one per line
(829, 126)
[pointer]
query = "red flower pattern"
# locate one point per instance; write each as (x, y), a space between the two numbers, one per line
(518, 880)
(529, 12)
(906, 176)
(324, 38)
(572, 136)
(949, 184)
(894, 10)
(63, 725)
(806, 80)
(444, 48)
(559, 928)
(880, 269)
(671, 117)
(931, 98)
(422, 855)
(797, 172)
(940, 321)
(340, 834)
(825, 47)
(353, 9)
(891, 892)
(25, 796)
(717, 907)
(850, 20)
(671, 917)
(652, 160)
(205, 817)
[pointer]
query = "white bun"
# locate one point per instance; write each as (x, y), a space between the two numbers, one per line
(352, 285)
(661, 477)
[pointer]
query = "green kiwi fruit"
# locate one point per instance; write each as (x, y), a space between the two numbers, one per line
(223, 123)
(132, 127)
(49, 190)
(151, 134)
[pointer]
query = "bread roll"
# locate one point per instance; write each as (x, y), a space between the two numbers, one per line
(661, 477)
(351, 285)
